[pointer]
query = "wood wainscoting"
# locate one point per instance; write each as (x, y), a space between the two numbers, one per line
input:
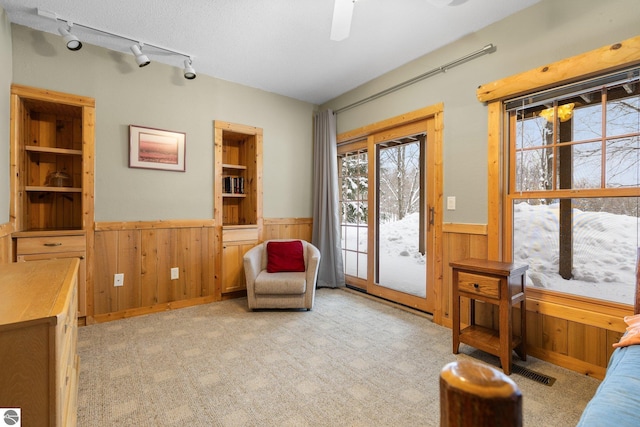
(566, 331)
(6, 244)
(145, 252)
(459, 241)
(288, 228)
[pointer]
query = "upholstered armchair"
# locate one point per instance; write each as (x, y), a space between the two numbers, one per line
(281, 274)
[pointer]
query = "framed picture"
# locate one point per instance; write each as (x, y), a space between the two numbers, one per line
(156, 149)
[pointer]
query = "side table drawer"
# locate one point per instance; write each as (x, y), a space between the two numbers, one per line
(478, 284)
(50, 244)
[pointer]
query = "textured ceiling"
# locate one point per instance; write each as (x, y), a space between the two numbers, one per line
(280, 46)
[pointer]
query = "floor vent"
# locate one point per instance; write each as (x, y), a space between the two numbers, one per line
(532, 375)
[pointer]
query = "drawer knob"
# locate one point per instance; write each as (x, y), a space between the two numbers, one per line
(53, 244)
(475, 285)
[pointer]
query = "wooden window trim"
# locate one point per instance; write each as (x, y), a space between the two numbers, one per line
(579, 67)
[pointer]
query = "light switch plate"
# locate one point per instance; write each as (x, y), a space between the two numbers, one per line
(451, 203)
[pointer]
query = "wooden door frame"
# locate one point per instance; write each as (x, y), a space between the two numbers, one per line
(430, 121)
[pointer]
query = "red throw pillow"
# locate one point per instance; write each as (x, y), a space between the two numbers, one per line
(285, 256)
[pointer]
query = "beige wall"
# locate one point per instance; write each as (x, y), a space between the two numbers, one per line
(158, 96)
(546, 32)
(5, 83)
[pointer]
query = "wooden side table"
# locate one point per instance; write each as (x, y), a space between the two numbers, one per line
(499, 283)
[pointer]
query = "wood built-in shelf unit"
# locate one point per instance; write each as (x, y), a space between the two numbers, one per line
(239, 173)
(53, 203)
(52, 164)
(237, 200)
(49, 157)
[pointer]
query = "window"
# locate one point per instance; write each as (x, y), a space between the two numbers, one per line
(574, 186)
(354, 182)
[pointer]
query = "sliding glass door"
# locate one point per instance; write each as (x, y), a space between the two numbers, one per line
(400, 216)
(391, 179)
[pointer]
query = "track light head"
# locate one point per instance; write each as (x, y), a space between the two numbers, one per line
(141, 59)
(72, 42)
(189, 72)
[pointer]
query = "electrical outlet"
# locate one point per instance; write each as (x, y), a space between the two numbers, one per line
(118, 279)
(175, 273)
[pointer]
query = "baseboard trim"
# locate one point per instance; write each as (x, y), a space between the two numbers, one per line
(568, 362)
(133, 312)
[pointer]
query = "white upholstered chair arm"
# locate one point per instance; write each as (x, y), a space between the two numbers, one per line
(253, 264)
(313, 260)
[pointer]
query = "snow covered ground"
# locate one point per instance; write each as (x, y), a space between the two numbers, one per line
(402, 266)
(604, 260)
(604, 254)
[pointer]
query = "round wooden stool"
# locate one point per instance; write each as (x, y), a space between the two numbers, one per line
(474, 394)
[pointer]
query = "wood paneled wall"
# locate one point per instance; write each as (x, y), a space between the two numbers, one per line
(146, 251)
(287, 228)
(459, 241)
(145, 254)
(577, 337)
(6, 244)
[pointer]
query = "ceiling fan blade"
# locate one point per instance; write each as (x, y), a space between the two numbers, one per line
(440, 3)
(341, 24)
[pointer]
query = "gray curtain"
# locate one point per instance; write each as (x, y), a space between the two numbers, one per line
(326, 210)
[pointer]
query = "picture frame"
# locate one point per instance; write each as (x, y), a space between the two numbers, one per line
(151, 148)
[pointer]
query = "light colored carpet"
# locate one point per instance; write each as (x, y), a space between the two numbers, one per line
(351, 361)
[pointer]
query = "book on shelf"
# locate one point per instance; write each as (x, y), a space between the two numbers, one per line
(233, 185)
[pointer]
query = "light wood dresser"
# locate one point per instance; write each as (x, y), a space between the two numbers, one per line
(35, 245)
(39, 363)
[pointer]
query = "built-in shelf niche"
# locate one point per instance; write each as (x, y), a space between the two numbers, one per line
(240, 174)
(51, 166)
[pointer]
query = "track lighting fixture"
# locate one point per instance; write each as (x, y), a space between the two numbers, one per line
(70, 40)
(189, 72)
(73, 43)
(141, 58)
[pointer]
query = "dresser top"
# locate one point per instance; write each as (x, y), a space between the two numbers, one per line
(35, 289)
